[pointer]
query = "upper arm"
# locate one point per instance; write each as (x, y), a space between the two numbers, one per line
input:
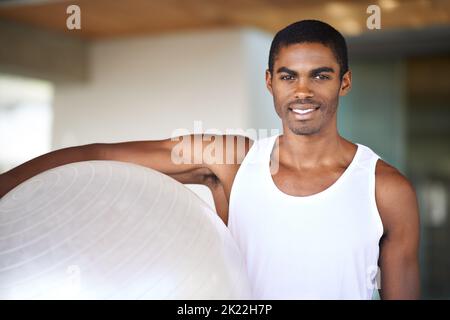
(155, 154)
(189, 159)
(397, 204)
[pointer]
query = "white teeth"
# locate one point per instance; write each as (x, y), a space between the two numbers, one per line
(302, 111)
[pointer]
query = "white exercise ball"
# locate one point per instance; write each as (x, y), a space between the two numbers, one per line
(114, 230)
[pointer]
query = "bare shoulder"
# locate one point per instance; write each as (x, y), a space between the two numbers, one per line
(391, 182)
(395, 196)
(388, 175)
(236, 147)
(232, 151)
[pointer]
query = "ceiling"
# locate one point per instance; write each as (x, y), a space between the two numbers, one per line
(106, 18)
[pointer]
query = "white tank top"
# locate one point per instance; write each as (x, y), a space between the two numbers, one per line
(322, 246)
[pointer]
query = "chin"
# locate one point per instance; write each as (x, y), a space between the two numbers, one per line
(304, 130)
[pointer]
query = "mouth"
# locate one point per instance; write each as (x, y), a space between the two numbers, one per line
(304, 113)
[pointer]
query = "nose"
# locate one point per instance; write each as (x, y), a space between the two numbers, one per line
(303, 89)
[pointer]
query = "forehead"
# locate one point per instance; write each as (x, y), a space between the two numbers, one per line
(305, 55)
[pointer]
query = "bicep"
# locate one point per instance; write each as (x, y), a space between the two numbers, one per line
(188, 159)
(397, 204)
(399, 270)
(176, 157)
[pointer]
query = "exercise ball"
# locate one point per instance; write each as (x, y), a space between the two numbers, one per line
(114, 230)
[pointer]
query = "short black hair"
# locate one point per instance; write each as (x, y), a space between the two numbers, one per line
(311, 31)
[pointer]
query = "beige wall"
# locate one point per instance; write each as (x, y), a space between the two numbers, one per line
(146, 87)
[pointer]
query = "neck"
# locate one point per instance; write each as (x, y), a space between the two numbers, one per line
(307, 151)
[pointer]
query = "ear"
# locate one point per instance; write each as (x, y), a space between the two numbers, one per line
(269, 81)
(346, 83)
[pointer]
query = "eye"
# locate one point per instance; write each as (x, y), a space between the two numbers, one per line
(321, 77)
(287, 77)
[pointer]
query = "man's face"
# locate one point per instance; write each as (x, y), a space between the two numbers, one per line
(306, 86)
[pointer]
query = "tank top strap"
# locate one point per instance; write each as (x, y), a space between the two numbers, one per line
(261, 150)
(367, 158)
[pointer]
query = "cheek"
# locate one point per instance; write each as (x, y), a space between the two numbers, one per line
(277, 93)
(328, 94)
(282, 92)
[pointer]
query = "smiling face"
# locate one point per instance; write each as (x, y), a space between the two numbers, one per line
(305, 85)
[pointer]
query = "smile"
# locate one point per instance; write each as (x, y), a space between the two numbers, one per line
(303, 111)
(304, 114)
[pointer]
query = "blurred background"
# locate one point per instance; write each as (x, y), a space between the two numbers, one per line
(138, 70)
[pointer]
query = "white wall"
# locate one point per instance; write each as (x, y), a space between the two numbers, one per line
(262, 111)
(25, 119)
(146, 87)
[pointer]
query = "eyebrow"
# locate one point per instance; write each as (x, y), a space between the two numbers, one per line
(314, 71)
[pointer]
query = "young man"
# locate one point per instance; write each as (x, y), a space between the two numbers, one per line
(333, 212)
